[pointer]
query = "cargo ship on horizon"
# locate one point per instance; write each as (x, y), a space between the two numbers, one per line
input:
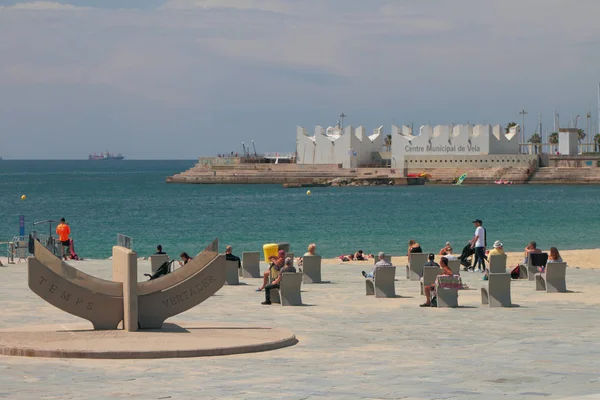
(106, 156)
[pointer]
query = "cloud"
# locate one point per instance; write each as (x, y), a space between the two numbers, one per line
(43, 6)
(277, 6)
(189, 65)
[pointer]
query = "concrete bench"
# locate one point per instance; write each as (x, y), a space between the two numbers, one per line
(553, 279)
(250, 264)
(156, 260)
(383, 284)
(311, 268)
(497, 264)
(535, 260)
(414, 269)
(497, 291)
(288, 293)
(429, 276)
(231, 273)
(446, 290)
(454, 266)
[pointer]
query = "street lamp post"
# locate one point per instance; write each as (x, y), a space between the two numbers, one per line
(342, 116)
(522, 113)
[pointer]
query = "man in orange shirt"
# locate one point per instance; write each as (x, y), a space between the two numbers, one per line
(63, 231)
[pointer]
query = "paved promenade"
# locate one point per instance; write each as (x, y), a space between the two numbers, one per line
(350, 346)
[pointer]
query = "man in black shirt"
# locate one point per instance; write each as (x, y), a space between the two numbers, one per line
(230, 257)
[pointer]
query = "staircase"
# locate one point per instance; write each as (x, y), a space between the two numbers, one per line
(566, 175)
(481, 176)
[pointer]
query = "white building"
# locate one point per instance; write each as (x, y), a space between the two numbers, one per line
(350, 147)
(433, 147)
(445, 145)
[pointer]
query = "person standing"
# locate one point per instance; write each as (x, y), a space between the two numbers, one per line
(63, 231)
(478, 243)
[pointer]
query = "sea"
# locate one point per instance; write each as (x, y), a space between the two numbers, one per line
(100, 199)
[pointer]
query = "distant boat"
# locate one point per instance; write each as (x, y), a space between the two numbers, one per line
(106, 156)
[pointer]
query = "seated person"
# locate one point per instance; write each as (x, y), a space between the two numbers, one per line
(361, 256)
(185, 258)
(312, 251)
(413, 247)
(447, 249)
(348, 257)
(274, 262)
(553, 257)
(380, 263)
(431, 262)
(429, 288)
(230, 257)
(288, 267)
(159, 250)
(530, 248)
(498, 249)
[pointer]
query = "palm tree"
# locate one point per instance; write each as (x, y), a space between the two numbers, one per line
(553, 140)
(536, 140)
(597, 142)
(388, 142)
(580, 135)
(510, 125)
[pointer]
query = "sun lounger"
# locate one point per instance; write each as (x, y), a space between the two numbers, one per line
(383, 284)
(553, 279)
(414, 269)
(311, 268)
(429, 276)
(231, 273)
(156, 260)
(288, 293)
(496, 292)
(251, 264)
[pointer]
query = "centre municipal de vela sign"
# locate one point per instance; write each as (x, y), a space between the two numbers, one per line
(442, 149)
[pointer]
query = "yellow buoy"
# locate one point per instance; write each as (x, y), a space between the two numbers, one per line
(308, 192)
(23, 197)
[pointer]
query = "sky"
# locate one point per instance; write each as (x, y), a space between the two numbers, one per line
(179, 79)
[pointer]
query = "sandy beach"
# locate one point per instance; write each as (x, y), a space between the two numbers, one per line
(585, 259)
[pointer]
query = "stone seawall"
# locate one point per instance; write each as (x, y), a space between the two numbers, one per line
(297, 175)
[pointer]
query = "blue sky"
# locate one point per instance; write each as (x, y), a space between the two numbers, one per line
(183, 78)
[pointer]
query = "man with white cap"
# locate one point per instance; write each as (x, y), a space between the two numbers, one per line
(498, 249)
(380, 263)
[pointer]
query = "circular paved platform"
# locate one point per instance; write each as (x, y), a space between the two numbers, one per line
(173, 341)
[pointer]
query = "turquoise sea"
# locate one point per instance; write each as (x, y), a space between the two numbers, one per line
(102, 198)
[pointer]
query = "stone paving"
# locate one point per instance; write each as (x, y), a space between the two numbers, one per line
(350, 346)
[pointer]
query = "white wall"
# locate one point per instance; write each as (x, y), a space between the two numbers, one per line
(450, 140)
(568, 144)
(330, 146)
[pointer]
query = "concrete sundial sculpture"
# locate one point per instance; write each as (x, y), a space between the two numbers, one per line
(144, 305)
